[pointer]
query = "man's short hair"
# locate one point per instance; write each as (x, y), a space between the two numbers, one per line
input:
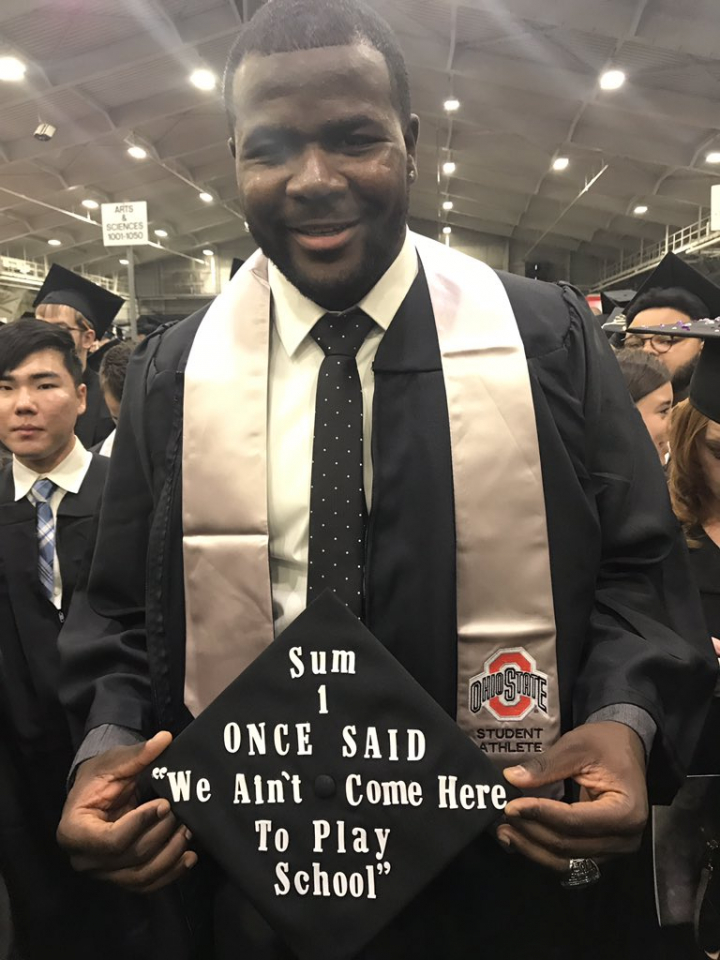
(676, 298)
(23, 338)
(113, 369)
(284, 26)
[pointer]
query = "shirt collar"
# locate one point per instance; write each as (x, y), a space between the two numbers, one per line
(296, 315)
(68, 475)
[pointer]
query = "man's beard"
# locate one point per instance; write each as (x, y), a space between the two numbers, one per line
(342, 291)
(681, 379)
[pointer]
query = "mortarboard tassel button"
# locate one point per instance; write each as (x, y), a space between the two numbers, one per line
(325, 787)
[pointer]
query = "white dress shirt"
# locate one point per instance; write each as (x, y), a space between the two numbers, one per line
(68, 476)
(295, 360)
(106, 448)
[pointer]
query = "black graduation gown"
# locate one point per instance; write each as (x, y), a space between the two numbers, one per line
(620, 583)
(96, 423)
(705, 563)
(58, 914)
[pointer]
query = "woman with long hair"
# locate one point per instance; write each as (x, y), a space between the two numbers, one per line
(695, 495)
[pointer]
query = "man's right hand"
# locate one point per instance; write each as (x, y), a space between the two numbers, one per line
(106, 833)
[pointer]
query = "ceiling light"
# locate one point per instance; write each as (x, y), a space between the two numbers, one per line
(447, 231)
(713, 157)
(124, 262)
(451, 105)
(612, 79)
(203, 79)
(206, 197)
(11, 69)
(160, 232)
(208, 253)
(54, 242)
(137, 153)
(448, 167)
(640, 208)
(90, 204)
(447, 205)
(560, 163)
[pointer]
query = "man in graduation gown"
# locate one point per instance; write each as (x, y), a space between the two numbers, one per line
(86, 311)
(517, 514)
(52, 481)
(674, 293)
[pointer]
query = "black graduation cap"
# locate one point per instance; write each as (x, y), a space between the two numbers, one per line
(608, 304)
(673, 271)
(97, 305)
(705, 383)
(148, 323)
(235, 266)
(328, 784)
(613, 317)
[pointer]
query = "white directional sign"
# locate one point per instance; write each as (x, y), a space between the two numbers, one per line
(124, 224)
(715, 207)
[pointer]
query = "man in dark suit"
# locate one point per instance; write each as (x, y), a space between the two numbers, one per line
(49, 494)
(86, 311)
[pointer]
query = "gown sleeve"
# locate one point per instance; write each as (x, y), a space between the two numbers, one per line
(103, 644)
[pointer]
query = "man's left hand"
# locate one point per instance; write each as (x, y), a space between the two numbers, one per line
(607, 760)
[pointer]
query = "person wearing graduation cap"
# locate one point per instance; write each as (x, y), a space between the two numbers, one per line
(489, 531)
(673, 293)
(86, 311)
(49, 496)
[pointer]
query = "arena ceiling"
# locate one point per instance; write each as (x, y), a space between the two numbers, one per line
(108, 73)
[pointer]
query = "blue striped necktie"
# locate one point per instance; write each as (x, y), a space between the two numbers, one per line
(42, 490)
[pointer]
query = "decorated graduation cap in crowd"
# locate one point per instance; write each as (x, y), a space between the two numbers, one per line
(329, 786)
(705, 383)
(671, 273)
(97, 305)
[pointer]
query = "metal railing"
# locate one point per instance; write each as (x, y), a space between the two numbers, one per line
(696, 236)
(31, 273)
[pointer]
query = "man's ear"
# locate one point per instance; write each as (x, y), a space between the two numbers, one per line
(82, 399)
(410, 137)
(231, 146)
(88, 338)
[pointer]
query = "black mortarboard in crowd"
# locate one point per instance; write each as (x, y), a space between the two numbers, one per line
(705, 383)
(328, 784)
(97, 305)
(235, 266)
(610, 310)
(148, 323)
(607, 304)
(674, 272)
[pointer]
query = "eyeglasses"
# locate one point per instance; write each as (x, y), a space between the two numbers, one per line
(660, 342)
(67, 329)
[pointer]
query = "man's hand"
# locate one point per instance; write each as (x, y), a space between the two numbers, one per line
(109, 836)
(608, 761)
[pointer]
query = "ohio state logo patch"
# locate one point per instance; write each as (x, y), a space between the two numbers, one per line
(510, 686)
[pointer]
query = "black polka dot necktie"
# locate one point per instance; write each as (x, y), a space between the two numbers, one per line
(337, 498)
